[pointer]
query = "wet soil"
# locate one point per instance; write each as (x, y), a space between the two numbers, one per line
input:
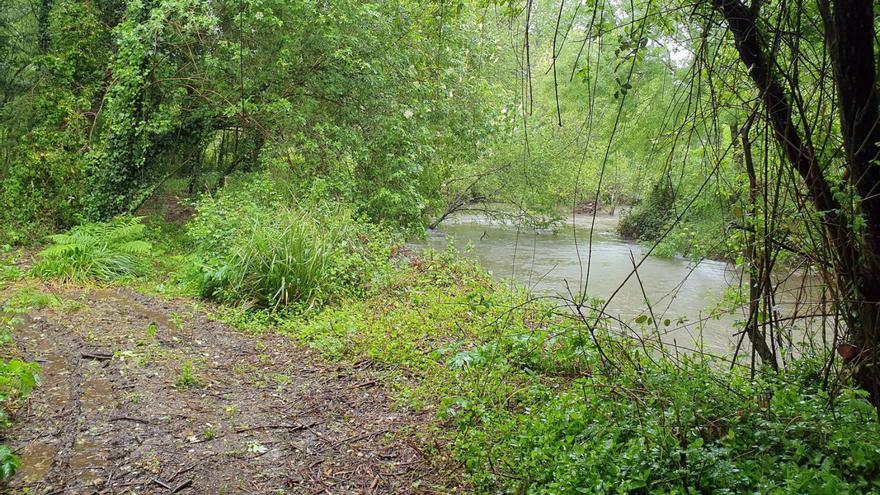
(142, 395)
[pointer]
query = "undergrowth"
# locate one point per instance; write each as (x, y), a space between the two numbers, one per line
(103, 252)
(17, 377)
(9, 270)
(253, 247)
(526, 403)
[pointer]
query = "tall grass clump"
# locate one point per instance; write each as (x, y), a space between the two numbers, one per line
(102, 251)
(282, 260)
(256, 247)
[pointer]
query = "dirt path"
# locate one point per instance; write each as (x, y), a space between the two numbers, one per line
(140, 395)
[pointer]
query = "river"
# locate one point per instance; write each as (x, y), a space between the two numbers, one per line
(554, 262)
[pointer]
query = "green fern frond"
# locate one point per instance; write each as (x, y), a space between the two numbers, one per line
(97, 251)
(135, 247)
(126, 232)
(59, 250)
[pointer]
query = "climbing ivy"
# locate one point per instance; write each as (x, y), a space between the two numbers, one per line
(373, 104)
(116, 172)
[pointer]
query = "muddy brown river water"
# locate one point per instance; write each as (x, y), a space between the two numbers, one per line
(555, 262)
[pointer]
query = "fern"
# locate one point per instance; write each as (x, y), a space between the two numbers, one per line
(96, 251)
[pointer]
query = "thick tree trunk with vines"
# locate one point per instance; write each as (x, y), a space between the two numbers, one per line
(849, 27)
(43, 25)
(850, 33)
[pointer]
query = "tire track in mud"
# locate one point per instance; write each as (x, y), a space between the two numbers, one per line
(73, 396)
(262, 415)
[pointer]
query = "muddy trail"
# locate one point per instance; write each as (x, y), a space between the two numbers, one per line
(142, 395)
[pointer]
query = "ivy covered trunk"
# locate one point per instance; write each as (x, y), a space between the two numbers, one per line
(849, 31)
(116, 172)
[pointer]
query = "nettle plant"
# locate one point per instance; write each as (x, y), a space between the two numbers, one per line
(17, 378)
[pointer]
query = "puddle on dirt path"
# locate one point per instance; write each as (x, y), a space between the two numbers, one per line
(54, 369)
(36, 460)
(97, 389)
(134, 307)
(88, 461)
(55, 385)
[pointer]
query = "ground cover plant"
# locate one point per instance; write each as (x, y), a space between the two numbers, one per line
(526, 403)
(18, 377)
(102, 252)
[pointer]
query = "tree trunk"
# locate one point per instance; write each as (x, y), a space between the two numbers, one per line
(43, 25)
(757, 286)
(850, 32)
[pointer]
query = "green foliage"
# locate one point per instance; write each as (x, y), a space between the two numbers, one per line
(187, 377)
(136, 120)
(17, 378)
(668, 428)
(9, 462)
(96, 251)
(27, 298)
(9, 271)
(222, 217)
(414, 306)
(253, 249)
(439, 307)
(529, 405)
(648, 220)
(702, 235)
(357, 102)
(46, 117)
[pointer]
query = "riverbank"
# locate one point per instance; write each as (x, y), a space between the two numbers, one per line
(434, 378)
(602, 223)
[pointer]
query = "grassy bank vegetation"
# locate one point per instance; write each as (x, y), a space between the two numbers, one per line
(527, 404)
(525, 397)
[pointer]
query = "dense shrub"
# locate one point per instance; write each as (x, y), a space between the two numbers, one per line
(96, 251)
(45, 123)
(702, 231)
(252, 247)
(647, 220)
(221, 217)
